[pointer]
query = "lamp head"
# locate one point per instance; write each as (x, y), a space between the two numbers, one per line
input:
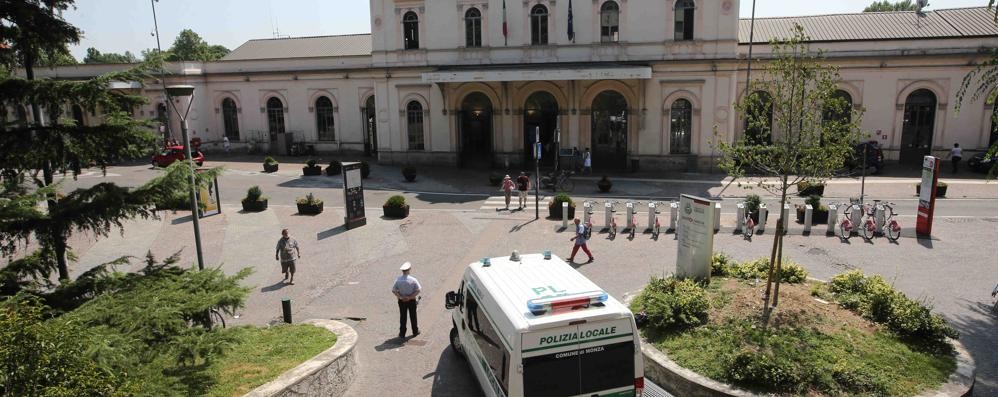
(180, 90)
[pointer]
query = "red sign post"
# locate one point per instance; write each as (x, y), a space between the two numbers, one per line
(927, 196)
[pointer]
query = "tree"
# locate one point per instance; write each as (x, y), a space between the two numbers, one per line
(787, 139)
(94, 56)
(189, 46)
(982, 83)
(887, 6)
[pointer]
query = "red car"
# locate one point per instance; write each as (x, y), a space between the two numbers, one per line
(175, 153)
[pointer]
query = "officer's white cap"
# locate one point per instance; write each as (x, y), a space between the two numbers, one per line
(405, 266)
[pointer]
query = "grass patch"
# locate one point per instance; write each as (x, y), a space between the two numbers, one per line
(261, 354)
(808, 348)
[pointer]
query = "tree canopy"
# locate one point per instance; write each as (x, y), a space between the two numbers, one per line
(95, 56)
(982, 84)
(888, 6)
(189, 46)
(31, 29)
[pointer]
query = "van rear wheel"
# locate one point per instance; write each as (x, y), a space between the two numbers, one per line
(455, 342)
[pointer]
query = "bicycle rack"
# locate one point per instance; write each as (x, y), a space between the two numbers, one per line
(740, 218)
(630, 214)
(879, 215)
(857, 217)
(785, 219)
(607, 214)
(652, 210)
(717, 217)
(673, 215)
(808, 215)
(564, 215)
(587, 212)
(833, 219)
(763, 217)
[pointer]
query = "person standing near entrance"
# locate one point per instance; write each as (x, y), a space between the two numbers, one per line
(406, 290)
(955, 155)
(286, 249)
(225, 144)
(587, 162)
(523, 186)
(507, 189)
(580, 242)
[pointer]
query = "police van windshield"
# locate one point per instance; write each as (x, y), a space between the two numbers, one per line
(582, 371)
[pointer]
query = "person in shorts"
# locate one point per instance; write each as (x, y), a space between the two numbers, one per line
(523, 186)
(507, 189)
(287, 247)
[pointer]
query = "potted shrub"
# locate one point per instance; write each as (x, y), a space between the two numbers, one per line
(409, 172)
(495, 178)
(395, 207)
(819, 215)
(269, 164)
(808, 188)
(309, 205)
(604, 184)
(334, 168)
(254, 201)
(554, 209)
(365, 169)
(752, 203)
(940, 189)
(311, 168)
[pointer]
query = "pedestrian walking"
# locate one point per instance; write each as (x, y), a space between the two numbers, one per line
(407, 289)
(580, 242)
(955, 155)
(587, 162)
(576, 159)
(287, 247)
(507, 189)
(523, 186)
(225, 144)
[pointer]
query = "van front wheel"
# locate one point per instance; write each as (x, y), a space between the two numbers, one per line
(455, 343)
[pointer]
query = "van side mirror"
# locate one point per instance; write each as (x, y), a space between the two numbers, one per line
(453, 300)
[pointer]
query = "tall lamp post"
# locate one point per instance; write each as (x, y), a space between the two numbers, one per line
(185, 91)
(162, 77)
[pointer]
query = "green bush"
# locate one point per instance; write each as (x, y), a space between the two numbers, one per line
(752, 203)
(561, 198)
(814, 200)
(335, 168)
(309, 199)
(395, 201)
(254, 194)
(311, 163)
(670, 303)
(790, 272)
(720, 264)
(269, 160)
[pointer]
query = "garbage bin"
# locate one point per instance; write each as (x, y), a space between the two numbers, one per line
(634, 165)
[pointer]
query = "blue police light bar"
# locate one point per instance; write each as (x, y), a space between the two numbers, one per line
(541, 306)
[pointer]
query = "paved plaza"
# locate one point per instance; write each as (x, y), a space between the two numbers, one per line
(347, 274)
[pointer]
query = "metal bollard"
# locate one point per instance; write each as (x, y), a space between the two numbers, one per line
(739, 217)
(717, 217)
(673, 215)
(785, 218)
(833, 218)
(651, 215)
(630, 215)
(286, 309)
(857, 217)
(763, 217)
(564, 215)
(608, 213)
(808, 214)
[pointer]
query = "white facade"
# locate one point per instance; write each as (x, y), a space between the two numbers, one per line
(619, 89)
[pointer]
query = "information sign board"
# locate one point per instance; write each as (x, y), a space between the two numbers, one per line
(695, 233)
(353, 195)
(927, 196)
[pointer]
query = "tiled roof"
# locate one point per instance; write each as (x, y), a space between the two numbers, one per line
(957, 22)
(303, 47)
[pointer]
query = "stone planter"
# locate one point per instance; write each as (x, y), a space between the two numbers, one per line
(270, 167)
(812, 190)
(328, 374)
(818, 217)
(311, 171)
(409, 176)
(334, 170)
(554, 212)
(395, 212)
(310, 209)
(254, 206)
(604, 187)
(940, 190)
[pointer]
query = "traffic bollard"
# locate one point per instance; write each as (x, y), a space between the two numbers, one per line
(763, 217)
(857, 217)
(833, 218)
(286, 309)
(651, 215)
(717, 217)
(630, 215)
(564, 215)
(785, 218)
(608, 213)
(808, 214)
(673, 215)
(739, 217)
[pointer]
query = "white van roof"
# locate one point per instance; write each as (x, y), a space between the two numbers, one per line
(512, 284)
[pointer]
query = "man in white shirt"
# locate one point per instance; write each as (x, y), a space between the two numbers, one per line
(955, 155)
(407, 289)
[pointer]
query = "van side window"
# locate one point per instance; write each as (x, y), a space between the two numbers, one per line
(488, 340)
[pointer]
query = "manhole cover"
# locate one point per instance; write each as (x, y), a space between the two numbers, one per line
(817, 251)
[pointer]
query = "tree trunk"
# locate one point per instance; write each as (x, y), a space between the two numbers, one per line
(778, 264)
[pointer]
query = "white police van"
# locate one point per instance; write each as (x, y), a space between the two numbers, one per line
(530, 326)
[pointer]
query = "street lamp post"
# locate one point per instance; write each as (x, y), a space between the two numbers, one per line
(162, 77)
(185, 91)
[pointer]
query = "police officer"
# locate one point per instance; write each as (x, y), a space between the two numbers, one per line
(407, 289)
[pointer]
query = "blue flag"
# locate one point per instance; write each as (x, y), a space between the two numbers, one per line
(571, 27)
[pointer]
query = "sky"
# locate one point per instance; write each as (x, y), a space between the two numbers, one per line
(127, 25)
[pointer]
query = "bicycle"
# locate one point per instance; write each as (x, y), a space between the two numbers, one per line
(589, 219)
(613, 220)
(634, 219)
(846, 227)
(561, 181)
(891, 227)
(657, 229)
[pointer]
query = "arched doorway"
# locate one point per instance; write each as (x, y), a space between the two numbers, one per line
(370, 128)
(476, 131)
(540, 114)
(609, 130)
(918, 126)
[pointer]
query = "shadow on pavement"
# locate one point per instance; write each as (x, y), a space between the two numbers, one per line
(313, 182)
(925, 242)
(977, 333)
(388, 344)
(274, 287)
(517, 228)
(331, 232)
(452, 377)
(183, 219)
(448, 198)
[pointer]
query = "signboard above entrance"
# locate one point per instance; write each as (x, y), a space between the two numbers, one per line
(637, 72)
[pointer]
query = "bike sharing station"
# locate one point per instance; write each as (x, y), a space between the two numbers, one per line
(353, 195)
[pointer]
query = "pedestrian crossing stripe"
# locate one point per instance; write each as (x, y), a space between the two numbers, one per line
(499, 202)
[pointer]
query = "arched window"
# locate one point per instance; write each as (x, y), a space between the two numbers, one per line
(684, 20)
(838, 108)
(410, 30)
(473, 28)
(275, 116)
(78, 115)
(539, 25)
(681, 127)
(414, 120)
(759, 118)
(230, 119)
(324, 119)
(609, 22)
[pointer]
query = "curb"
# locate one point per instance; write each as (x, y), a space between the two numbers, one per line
(330, 373)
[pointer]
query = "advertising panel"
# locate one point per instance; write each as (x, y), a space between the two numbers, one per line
(353, 194)
(927, 196)
(695, 233)
(208, 200)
